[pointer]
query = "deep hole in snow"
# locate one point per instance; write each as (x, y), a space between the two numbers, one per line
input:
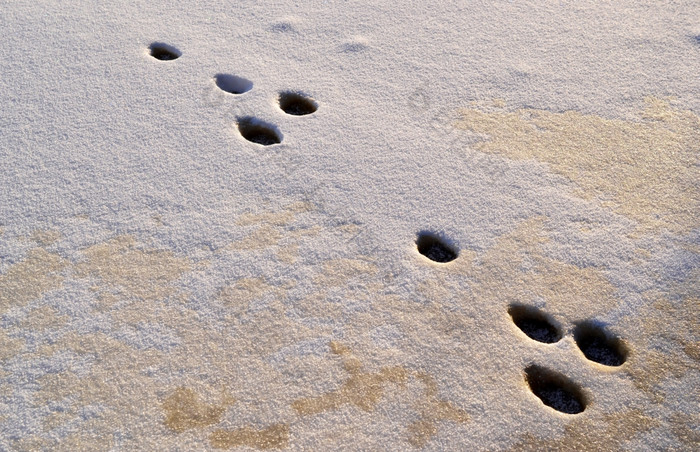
(297, 104)
(233, 84)
(259, 132)
(598, 345)
(434, 248)
(164, 52)
(555, 390)
(534, 324)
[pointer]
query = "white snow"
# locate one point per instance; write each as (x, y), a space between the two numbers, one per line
(101, 141)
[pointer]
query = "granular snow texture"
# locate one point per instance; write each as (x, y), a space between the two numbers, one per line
(211, 217)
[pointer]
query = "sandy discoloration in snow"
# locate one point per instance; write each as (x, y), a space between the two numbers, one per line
(645, 169)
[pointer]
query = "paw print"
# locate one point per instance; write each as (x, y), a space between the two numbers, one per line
(164, 52)
(251, 128)
(596, 344)
(264, 133)
(552, 388)
(435, 247)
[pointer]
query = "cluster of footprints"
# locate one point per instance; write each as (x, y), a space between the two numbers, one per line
(250, 128)
(554, 389)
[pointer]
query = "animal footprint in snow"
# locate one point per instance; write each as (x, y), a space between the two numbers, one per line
(297, 104)
(535, 324)
(257, 131)
(552, 388)
(435, 248)
(599, 345)
(164, 52)
(233, 84)
(555, 390)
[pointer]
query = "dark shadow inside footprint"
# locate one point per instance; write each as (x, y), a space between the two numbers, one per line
(232, 83)
(164, 52)
(534, 323)
(435, 248)
(555, 390)
(297, 104)
(598, 345)
(259, 132)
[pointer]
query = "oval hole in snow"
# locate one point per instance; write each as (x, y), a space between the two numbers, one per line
(534, 323)
(297, 104)
(257, 131)
(164, 52)
(435, 248)
(232, 83)
(555, 390)
(598, 345)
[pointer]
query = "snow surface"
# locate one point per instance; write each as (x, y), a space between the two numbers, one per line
(166, 284)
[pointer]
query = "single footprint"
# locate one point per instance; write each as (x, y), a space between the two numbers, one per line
(535, 323)
(164, 52)
(555, 390)
(296, 104)
(598, 345)
(435, 248)
(259, 132)
(232, 83)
